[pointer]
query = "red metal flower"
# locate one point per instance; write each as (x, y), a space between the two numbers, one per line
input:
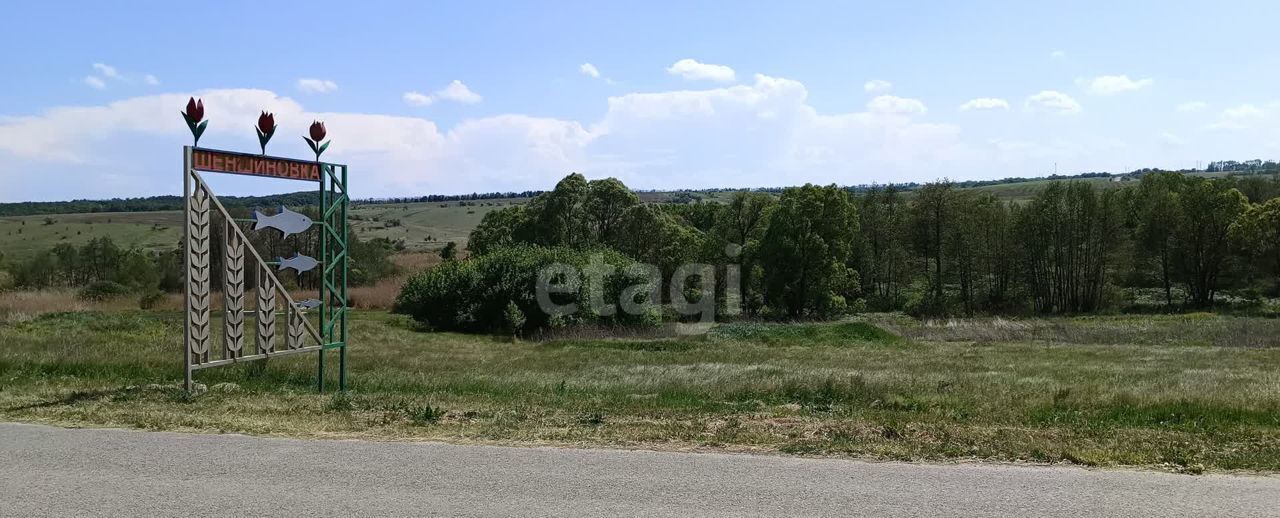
(266, 128)
(317, 135)
(195, 119)
(317, 131)
(195, 110)
(267, 123)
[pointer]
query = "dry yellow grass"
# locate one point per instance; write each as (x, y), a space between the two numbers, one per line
(16, 306)
(383, 294)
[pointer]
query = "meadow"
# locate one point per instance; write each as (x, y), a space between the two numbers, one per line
(423, 227)
(1186, 393)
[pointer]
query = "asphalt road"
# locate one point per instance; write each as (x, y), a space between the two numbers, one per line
(48, 471)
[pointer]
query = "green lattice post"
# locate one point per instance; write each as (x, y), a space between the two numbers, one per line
(334, 204)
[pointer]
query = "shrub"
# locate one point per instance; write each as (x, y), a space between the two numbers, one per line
(495, 291)
(103, 290)
(150, 299)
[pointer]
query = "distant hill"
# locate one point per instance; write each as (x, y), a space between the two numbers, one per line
(1014, 188)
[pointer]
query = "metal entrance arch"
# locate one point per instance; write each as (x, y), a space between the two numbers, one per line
(206, 219)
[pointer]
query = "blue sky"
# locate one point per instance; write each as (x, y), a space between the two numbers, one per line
(425, 98)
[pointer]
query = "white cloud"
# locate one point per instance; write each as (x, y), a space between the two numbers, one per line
(417, 99)
(106, 71)
(1244, 111)
(458, 92)
(1237, 117)
(1052, 101)
(317, 85)
(763, 133)
(1111, 85)
(1172, 140)
(455, 91)
(692, 69)
(590, 70)
(1192, 106)
(1058, 54)
(102, 73)
(896, 105)
(985, 103)
(876, 85)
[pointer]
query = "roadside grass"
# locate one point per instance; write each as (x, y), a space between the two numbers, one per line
(879, 387)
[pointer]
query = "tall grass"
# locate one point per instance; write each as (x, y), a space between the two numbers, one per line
(941, 390)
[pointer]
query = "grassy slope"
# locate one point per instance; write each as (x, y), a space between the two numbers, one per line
(1045, 391)
(442, 221)
(162, 230)
(23, 236)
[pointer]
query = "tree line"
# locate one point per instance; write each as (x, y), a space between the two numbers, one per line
(821, 251)
(110, 269)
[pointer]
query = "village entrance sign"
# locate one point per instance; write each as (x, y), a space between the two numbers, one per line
(316, 325)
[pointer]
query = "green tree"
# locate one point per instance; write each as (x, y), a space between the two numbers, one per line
(1208, 208)
(931, 214)
(497, 229)
(606, 203)
(883, 214)
(1257, 231)
(1156, 211)
(1068, 233)
(449, 252)
(806, 252)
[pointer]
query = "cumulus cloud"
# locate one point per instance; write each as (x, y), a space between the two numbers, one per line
(985, 103)
(417, 99)
(896, 105)
(1052, 101)
(317, 85)
(692, 69)
(876, 85)
(1244, 111)
(71, 146)
(1111, 85)
(106, 71)
(1058, 54)
(1192, 106)
(587, 69)
(1237, 117)
(763, 133)
(455, 91)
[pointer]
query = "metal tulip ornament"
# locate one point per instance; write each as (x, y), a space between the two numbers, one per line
(266, 128)
(317, 135)
(195, 119)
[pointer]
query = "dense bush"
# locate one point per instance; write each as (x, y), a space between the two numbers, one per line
(497, 291)
(103, 290)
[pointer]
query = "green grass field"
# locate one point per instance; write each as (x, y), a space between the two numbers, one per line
(22, 237)
(1103, 391)
(441, 222)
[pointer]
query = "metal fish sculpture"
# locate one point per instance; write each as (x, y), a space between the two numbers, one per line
(309, 304)
(286, 221)
(298, 262)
